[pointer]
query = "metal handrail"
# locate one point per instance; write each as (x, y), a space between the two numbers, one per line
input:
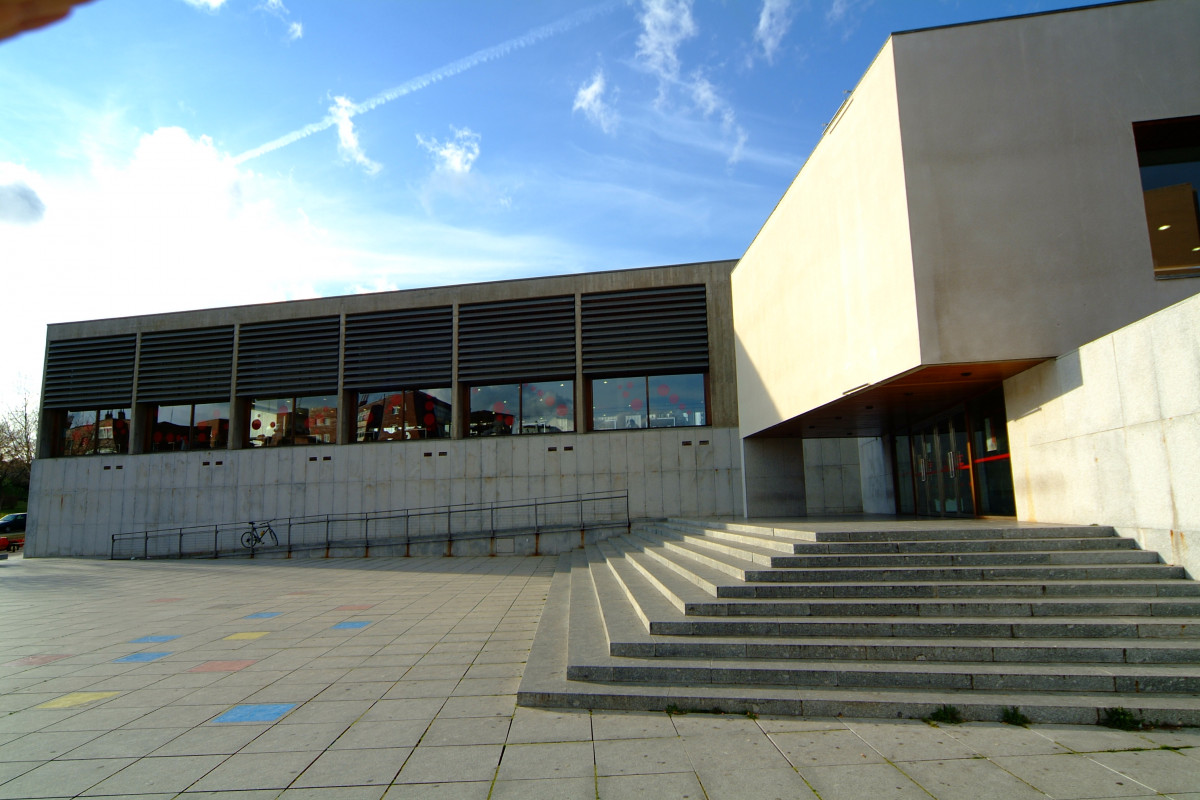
(423, 525)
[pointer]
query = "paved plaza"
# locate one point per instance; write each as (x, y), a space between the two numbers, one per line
(396, 678)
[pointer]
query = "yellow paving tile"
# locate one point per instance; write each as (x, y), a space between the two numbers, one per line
(76, 699)
(248, 635)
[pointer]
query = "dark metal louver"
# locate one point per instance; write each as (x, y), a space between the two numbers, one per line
(661, 330)
(192, 366)
(406, 349)
(90, 373)
(517, 340)
(290, 357)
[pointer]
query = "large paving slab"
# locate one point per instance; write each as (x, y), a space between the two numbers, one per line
(420, 701)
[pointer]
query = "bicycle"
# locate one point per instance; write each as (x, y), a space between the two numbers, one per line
(258, 535)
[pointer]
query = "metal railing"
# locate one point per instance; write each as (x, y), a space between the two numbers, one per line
(397, 530)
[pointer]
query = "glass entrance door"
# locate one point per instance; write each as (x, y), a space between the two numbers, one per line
(942, 467)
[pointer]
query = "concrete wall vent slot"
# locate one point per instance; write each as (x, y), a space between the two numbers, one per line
(441, 452)
(107, 467)
(326, 458)
(205, 463)
(551, 449)
(703, 442)
(220, 463)
(687, 442)
(428, 455)
(208, 353)
(568, 449)
(312, 458)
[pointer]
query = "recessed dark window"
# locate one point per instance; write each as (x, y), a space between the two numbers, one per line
(1169, 160)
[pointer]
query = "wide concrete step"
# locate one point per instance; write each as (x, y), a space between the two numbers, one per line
(900, 532)
(574, 617)
(663, 608)
(789, 545)
(720, 583)
(963, 676)
(694, 600)
(767, 556)
(747, 570)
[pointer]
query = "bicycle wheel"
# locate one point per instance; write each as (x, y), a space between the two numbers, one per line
(249, 539)
(270, 532)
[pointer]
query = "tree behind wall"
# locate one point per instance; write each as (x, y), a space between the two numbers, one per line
(18, 444)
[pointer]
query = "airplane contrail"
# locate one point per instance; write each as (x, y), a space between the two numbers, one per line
(421, 81)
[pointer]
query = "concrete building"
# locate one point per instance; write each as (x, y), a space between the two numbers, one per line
(983, 270)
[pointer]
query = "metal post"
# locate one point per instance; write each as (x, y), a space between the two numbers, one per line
(327, 536)
(180, 553)
(145, 544)
(289, 537)
(366, 536)
(216, 535)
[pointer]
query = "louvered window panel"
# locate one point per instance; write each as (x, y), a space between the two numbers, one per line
(291, 357)
(518, 340)
(647, 331)
(90, 373)
(411, 348)
(192, 366)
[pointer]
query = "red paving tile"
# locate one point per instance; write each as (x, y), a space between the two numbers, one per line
(34, 661)
(223, 666)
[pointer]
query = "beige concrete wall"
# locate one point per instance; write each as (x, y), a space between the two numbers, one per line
(1025, 204)
(77, 504)
(1110, 434)
(823, 299)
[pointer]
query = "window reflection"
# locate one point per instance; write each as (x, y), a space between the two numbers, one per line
(407, 414)
(542, 407)
(293, 420)
(204, 426)
(91, 431)
(654, 401)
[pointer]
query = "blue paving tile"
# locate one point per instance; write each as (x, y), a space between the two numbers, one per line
(152, 639)
(263, 615)
(341, 626)
(139, 657)
(256, 712)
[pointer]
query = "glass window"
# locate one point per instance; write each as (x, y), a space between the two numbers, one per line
(619, 403)
(172, 429)
(676, 400)
(406, 414)
(91, 431)
(654, 401)
(269, 422)
(544, 407)
(548, 407)
(1169, 160)
(79, 433)
(315, 420)
(210, 426)
(112, 435)
(293, 420)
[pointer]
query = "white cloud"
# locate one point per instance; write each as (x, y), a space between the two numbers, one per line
(457, 155)
(590, 100)
(208, 5)
(173, 223)
(19, 204)
(666, 24)
(773, 23)
(342, 111)
(841, 10)
(295, 31)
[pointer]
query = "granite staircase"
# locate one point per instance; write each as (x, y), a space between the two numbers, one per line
(878, 620)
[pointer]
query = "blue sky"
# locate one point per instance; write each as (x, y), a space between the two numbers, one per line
(158, 155)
